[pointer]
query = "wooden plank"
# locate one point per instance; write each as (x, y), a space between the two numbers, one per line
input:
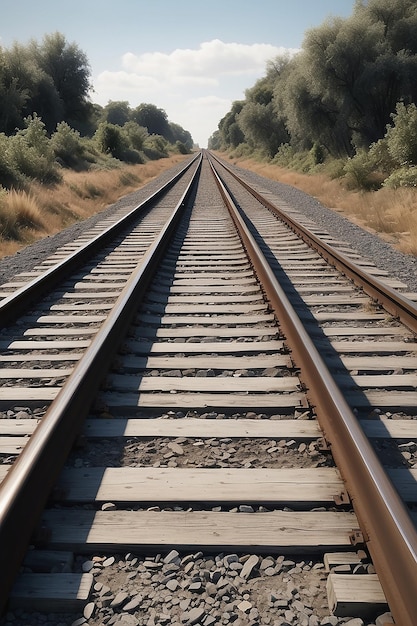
(395, 400)
(136, 363)
(350, 594)
(143, 484)
(51, 592)
(226, 401)
(33, 373)
(55, 331)
(204, 274)
(30, 344)
(220, 347)
(213, 280)
(367, 347)
(212, 384)
(213, 289)
(335, 316)
(385, 428)
(202, 428)
(71, 308)
(381, 381)
(204, 309)
(46, 561)
(34, 357)
(156, 296)
(370, 363)
(70, 319)
(196, 331)
(168, 320)
(91, 531)
(349, 300)
(333, 559)
(12, 445)
(386, 331)
(34, 396)
(18, 427)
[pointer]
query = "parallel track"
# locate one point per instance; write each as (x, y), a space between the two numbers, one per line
(204, 342)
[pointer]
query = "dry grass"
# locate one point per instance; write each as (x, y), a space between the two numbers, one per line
(26, 217)
(391, 213)
(20, 217)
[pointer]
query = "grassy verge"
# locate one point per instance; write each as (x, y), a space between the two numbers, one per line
(392, 213)
(26, 216)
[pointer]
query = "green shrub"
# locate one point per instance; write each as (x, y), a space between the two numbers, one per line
(29, 162)
(358, 171)
(68, 146)
(403, 177)
(402, 136)
(135, 134)
(182, 148)
(9, 175)
(155, 147)
(111, 140)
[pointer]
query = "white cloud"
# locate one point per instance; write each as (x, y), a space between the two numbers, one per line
(195, 87)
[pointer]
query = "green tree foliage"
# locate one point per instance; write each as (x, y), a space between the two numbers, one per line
(28, 155)
(46, 115)
(339, 92)
(231, 134)
(402, 136)
(51, 79)
(116, 112)
(111, 140)
(68, 146)
(181, 136)
(153, 119)
(69, 70)
(136, 134)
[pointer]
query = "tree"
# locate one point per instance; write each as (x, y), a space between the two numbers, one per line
(402, 136)
(69, 70)
(117, 112)
(154, 119)
(230, 132)
(180, 135)
(111, 140)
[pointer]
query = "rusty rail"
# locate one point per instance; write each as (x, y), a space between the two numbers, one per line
(15, 304)
(390, 299)
(386, 526)
(25, 489)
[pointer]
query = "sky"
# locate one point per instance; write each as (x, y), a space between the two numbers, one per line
(191, 58)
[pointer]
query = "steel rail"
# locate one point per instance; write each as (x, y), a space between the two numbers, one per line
(385, 524)
(22, 298)
(25, 489)
(390, 299)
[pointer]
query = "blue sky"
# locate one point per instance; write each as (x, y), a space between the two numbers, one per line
(192, 58)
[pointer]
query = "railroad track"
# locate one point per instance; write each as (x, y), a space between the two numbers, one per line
(201, 432)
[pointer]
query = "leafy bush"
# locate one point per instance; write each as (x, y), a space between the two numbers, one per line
(135, 134)
(68, 146)
(402, 136)
(182, 148)
(155, 147)
(111, 140)
(358, 171)
(9, 175)
(403, 177)
(29, 162)
(29, 155)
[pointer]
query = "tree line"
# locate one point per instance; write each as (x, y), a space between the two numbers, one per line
(48, 121)
(350, 94)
